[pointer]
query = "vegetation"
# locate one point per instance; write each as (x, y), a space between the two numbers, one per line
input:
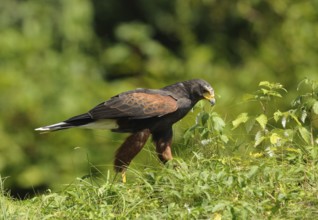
(251, 156)
(268, 170)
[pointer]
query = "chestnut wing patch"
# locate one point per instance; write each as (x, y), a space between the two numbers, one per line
(137, 105)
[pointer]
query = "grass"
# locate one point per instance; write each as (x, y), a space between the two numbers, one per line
(200, 188)
(268, 171)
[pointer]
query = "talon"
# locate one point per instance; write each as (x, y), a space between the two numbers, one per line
(123, 176)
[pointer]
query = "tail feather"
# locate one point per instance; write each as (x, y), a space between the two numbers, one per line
(83, 120)
(79, 120)
(55, 127)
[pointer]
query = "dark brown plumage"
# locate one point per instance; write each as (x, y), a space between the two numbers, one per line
(142, 112)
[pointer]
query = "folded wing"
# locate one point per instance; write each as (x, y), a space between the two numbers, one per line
(135, 105)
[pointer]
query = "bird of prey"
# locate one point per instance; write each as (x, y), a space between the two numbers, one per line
(142, 112)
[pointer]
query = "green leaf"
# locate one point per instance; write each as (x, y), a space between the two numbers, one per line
(265, 91)
(274, 93)
(274, 139)
(284, 121)
(305, 134)
(277, 115)
(315, 107)
(259, 138)
(264, 83)
(249, 124)
(248, 97)
(294, 116)
(242, 118)
(262, 120)
(219, 124)
(224, 138)
(204, 118)
(303, 116)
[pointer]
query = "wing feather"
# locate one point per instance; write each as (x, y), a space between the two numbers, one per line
(135, 105)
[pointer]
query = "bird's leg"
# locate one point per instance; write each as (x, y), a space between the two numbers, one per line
(128, 150)
(164, 150)
(163, 142)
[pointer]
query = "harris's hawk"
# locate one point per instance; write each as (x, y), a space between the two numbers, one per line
(142, 112)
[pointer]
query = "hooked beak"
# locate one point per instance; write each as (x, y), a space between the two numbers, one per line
(210, 97)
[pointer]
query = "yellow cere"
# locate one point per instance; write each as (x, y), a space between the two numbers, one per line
(208, 95)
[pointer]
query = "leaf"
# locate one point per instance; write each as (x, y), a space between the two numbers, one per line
(224, 138)
(284, 121)
(259, 138)
(219, 124)
(262, 120)
(315, 108)
(293, 116)
(248, 97)
(303, 116)
(204, 118)
(271, 151)
(275, 139)
(249, 124)
(272, 85)
(305, 134)
(205, 134)
(277, 115)
(265, 84)
(274, 93)
(265, 91)
(242, 118)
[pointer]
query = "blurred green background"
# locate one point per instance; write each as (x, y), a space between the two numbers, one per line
(59, 58)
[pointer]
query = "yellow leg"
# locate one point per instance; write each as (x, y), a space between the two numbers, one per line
(123, 176)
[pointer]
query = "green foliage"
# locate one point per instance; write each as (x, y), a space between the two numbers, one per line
(204, 187)
(208, 130)
(294, 135)
(60, 58)
(306, 105)
(274, 178)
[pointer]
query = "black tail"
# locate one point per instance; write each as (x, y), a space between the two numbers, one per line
(76, 121)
